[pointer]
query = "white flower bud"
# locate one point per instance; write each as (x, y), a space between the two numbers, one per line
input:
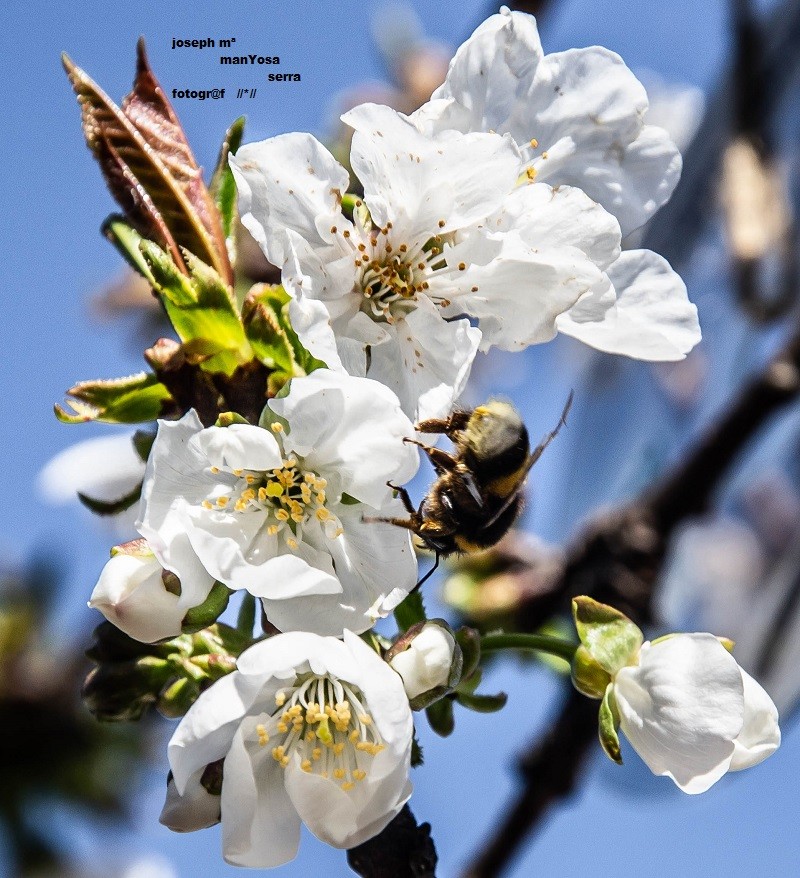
(131, 594)
(428, 661)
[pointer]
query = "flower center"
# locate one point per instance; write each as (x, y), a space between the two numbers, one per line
(390, 274)
(290, 497)
(324, 721)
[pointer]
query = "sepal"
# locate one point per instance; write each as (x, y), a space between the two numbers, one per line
(609, 636)
(440, 717)
(588, 677)
(607, 724)
(209, 611)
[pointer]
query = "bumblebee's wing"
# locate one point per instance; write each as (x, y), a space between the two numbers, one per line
(535, 455)
(472, 486)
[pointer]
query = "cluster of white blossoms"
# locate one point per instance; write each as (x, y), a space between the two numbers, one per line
(493, 216)
(502, 202)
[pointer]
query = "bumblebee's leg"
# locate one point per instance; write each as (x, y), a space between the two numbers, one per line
(413, 524)
(455, 423)
(441, 460)
(404, 496)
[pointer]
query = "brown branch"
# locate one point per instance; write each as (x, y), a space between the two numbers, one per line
(618, 562)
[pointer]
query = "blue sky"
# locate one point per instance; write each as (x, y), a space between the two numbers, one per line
(622, 821)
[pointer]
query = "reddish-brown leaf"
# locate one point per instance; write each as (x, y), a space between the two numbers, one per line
(149, 168)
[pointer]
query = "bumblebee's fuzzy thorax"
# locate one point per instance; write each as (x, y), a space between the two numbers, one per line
(495, 447)
(477, 493)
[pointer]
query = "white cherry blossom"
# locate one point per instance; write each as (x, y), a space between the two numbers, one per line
(312, 730)
(280, 511)
(577, 118)
(692, 713)
(443, 233)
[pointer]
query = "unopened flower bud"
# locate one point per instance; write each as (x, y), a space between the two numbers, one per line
(122, 692)
(133, 594)
(429, 660)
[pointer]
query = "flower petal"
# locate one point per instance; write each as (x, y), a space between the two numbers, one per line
(426, 360)
(130, 593)
(236, 549)
(289, 182)
(760, 735)
(514, 290)
(682, 707)
(175, 472)
(374, 562)
(492, 72)
(205, 733)
(345, 819)
(240, 446)
(260, 827)
(350, 431)
(583, 107)
(652, 319)
(280, 658)
(195, 809)
(415, 181)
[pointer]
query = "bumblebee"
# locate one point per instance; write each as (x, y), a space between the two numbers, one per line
(477, 495)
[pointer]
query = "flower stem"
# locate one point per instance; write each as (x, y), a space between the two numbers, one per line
(539, 642)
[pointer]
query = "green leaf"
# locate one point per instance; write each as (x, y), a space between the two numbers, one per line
(127, 241)
(410, 612)
(608, 635)
(482, 703)
(608, 720)
(201, 309)
(112, 507)
(209, 611)
(223, 185)
(261, 315)
(132, 400)
(440, 717)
